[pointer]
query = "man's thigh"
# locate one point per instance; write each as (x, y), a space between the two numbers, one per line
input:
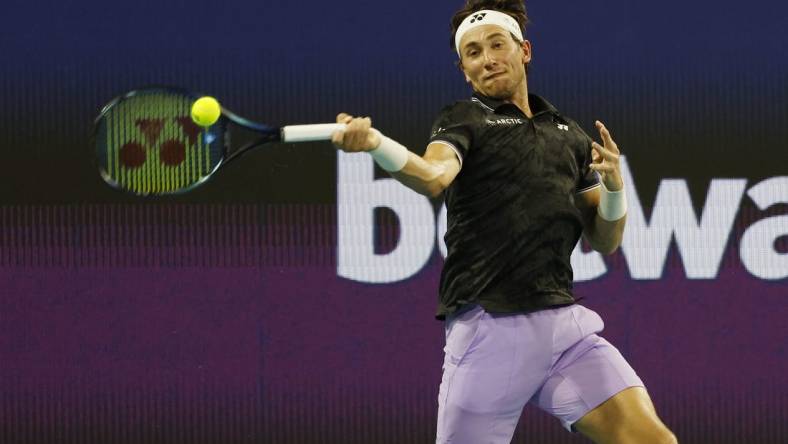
(627, 417)
(588, 374)
(493, 365)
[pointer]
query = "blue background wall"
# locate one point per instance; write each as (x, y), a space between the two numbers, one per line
(218, 316)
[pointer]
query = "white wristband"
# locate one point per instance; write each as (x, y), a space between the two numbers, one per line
(612, 204)
(390, 155)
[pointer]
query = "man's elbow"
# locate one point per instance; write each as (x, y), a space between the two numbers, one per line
(605, 248)
(435, 188)
(434, 191)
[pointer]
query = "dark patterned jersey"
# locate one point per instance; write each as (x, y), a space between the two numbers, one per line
(512, 222)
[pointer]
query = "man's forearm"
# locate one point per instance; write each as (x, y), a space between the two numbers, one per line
(606, 236)
(421, 176)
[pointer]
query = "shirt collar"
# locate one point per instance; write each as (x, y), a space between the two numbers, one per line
(538, 104)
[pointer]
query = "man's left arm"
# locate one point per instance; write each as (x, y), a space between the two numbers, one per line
(604, 208)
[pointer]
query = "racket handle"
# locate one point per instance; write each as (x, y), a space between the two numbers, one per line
(309, 133)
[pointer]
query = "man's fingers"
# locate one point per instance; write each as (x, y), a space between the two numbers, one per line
(360, 124)
(607, 139)
(603, 151)
(357, 132)
(338, 137)
(356, 135)
(357, 124)
(602, 167)
(595, 156)
(353, 129)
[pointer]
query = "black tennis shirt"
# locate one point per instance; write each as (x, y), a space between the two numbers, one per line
(512, 222)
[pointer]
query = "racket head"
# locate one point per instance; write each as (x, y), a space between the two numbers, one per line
(148, 144)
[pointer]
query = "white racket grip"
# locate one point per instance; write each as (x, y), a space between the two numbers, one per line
(310, 133)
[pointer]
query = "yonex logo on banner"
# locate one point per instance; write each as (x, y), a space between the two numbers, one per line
(478, 17)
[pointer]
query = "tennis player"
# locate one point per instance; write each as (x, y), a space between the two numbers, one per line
(521, 182)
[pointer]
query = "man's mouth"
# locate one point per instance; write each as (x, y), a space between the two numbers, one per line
(494, 75)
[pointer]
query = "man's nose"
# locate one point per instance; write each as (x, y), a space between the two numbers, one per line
(488, 58)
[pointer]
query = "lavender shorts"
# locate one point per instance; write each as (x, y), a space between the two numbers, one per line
(495, 364)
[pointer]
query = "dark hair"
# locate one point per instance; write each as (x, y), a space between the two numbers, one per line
(514, 8)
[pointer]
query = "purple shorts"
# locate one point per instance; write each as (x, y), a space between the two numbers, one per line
(495, 364)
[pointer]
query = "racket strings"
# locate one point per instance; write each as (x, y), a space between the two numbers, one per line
(153, 146)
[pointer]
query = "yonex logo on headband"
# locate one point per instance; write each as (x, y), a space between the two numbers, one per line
(487, 17)
(478, 17)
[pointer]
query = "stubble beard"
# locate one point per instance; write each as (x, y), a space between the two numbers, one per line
(503, 89)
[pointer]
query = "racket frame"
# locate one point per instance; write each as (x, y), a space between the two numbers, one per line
(267, 134)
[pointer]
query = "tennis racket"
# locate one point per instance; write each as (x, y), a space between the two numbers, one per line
(148, 144)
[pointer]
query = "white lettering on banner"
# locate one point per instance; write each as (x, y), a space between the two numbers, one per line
(645, 246)
(757, 245)
(586, 266)
(358, 194)
(442, 223)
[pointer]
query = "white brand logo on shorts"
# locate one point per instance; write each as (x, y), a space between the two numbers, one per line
(563, 127)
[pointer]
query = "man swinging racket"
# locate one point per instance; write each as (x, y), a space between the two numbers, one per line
(521, 183)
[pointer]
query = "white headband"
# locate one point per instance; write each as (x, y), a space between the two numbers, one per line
(487, 17)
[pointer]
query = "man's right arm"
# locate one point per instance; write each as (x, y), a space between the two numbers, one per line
(431, 174)
(428, 175)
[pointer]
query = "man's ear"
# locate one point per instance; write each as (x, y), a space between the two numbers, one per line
(525, 49)
(459, 65)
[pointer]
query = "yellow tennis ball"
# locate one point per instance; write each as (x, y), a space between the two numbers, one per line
(206, 111)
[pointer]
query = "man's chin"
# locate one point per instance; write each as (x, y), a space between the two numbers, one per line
(499, 89)
(498, 93)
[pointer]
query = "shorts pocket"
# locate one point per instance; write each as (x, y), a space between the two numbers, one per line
(588, 321)
(462, 333)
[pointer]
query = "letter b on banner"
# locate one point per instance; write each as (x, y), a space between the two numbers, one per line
(358, 194)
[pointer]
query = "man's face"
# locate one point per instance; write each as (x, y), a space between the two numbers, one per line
(493, 62)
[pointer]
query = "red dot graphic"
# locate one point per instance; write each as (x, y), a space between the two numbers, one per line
(132, 155)
(172, 152)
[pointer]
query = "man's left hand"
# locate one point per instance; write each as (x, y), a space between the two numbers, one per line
(605, 160)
